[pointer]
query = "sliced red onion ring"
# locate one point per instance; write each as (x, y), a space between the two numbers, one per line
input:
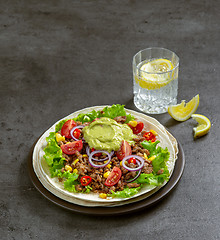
(137, 158)
(139, 172)
(73, 129)
(88, 151)
(91, 159)
(137, 175)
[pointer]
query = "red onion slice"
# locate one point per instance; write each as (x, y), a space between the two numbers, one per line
(131, 180)
(138, 174)
(91, 159)
(88, 151)
(73, 129)
(137, 158)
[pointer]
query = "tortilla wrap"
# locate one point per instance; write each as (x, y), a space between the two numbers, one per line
(92, 199)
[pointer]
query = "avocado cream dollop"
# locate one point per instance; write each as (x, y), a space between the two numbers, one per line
(106, 134)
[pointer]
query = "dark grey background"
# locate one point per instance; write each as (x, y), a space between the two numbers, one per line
(57, 57)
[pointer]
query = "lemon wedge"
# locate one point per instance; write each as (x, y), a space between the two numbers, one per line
(151, 77)
(203, 126)
(183, 111)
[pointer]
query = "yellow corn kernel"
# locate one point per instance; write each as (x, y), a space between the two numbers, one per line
(133, 123)
(75, 161)
(103, 195)
(154, 132)
(124, 163)
(145, 156)
(152, 158)
(109, 166)
(85, 155)
(106, 174)
(75, 170)
(59, 137)
(68, 168)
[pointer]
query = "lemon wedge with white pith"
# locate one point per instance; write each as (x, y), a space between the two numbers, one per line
(203, 126)
(183, 111)
(151, 75)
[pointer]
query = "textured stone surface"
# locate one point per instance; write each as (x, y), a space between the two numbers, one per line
(60, 56)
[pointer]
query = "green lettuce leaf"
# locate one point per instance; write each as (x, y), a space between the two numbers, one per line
(71, 181)
(161, 157)
(53, 156)
(54, 159)
(87, 117)
(153, 179)
(110, 112)
(126, 193)
(115, 111)
(55, 168)
(151, 147)
(52, 150)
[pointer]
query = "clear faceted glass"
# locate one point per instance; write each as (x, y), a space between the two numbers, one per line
(150, 95)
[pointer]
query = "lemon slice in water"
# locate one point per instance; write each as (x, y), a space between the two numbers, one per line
(183, 111)
(157, 66)
(152, 76)
(203, 126)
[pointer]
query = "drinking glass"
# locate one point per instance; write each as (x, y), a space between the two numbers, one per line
(153, 90)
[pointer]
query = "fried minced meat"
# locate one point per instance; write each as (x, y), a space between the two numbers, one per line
(79, 161)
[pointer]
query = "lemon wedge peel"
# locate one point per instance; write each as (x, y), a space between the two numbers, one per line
(203, 126)
(155, 74)
(183, 111)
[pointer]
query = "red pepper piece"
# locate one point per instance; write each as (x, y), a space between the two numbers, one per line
(85, 180)
(149, 136)
(132, 160)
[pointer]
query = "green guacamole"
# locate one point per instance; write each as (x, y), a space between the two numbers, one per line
(107, 134)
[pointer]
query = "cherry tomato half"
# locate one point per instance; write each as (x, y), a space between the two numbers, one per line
(124, 150)
(113, 177)
(139, 127)
(72, 147)
(67, 126)
(77, 133)
(149, 136)
(132, 160)
(85, 180)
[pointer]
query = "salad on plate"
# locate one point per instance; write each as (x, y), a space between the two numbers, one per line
(105, 154)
